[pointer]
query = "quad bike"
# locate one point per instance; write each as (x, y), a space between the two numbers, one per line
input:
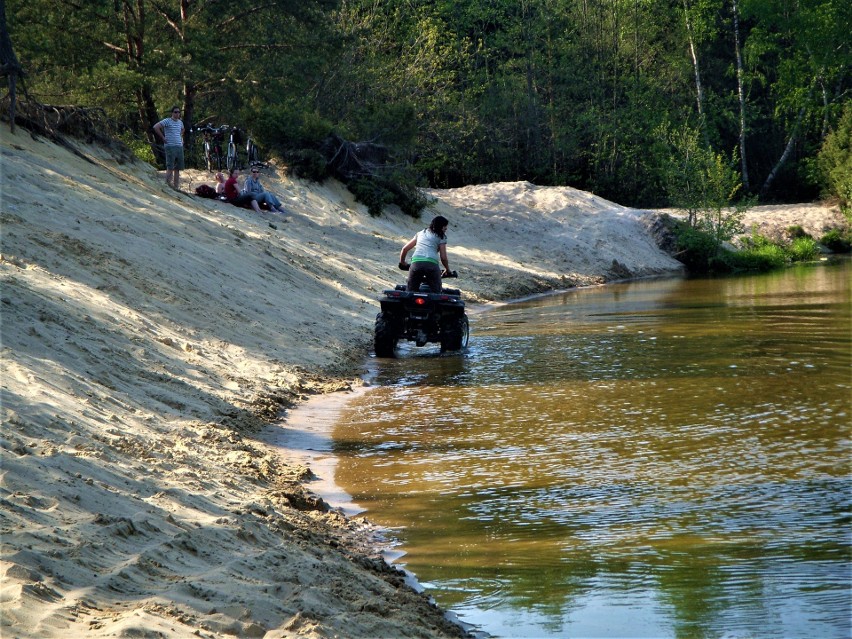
(421, 317)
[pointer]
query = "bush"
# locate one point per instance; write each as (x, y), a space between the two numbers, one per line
(837, 241)
(765, 257)
(834, 162)
(759, 253)
(377, 192)
(803, 249)
(141, 148)
(695, 248)
(796, 231)
(370, 192)
(410, 199)
(308, 164)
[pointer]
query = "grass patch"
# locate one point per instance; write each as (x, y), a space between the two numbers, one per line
(697, 250)
(837, 241)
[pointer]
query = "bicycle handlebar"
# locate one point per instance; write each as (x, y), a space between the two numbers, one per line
(209, 128)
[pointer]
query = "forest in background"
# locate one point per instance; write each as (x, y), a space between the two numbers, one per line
(618, 97)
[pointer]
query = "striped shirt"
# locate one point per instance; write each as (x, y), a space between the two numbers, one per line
(172, 131)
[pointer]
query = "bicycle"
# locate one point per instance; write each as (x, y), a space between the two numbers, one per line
(252, 153)
(212, 144)
(231, 158)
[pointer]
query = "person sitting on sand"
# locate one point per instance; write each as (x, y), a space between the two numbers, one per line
(232, 193)
(253, 187)
(220, 184)
(429, 244)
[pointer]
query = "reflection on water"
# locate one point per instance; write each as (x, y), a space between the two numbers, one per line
(659, 458)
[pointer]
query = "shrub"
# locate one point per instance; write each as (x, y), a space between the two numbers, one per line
(796, 232)
(410, 199)
(834, 162)
(695, 248)
(377, 192)
(803, 249)
(368, 191)
(308, 164)
(141, 148)
(759, 253)
(705, 185)
(837, 241)
(764, 256)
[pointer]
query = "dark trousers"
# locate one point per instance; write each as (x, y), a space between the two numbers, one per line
(243, 200)
(424, 272)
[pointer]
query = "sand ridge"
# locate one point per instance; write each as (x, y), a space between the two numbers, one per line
(147, 338)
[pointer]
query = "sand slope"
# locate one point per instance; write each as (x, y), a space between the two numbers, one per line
(148, 335)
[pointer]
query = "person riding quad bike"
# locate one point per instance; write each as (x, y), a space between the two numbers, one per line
(423, 311)
(429, 245)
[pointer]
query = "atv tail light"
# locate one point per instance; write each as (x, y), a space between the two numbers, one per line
(420, 301)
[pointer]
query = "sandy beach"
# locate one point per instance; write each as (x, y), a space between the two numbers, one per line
(150, 340)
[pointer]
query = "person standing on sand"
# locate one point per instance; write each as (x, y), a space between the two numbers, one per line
(170, 131)
(429, 245)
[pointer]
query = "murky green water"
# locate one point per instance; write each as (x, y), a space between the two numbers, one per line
(652, 459)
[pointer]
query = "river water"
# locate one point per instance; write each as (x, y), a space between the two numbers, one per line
(663, 458)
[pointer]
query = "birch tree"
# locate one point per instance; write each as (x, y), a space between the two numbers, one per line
(740, 94)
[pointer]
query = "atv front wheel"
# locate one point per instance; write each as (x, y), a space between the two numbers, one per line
(385, 339)
(456, 335)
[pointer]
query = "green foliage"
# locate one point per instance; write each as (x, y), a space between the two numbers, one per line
(837, 241)
(705, 185)
(763, 257)
(696, 248)
(370, 192)
(698, 251)
(308, 164)
(803, 249)
(140, 148)
(834, 161)
(407, 194)
(759, 253)
(377, 192)
(286, 128)
(550, 91)
(796, 231)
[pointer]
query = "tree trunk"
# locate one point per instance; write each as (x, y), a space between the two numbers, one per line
(699, 90)
(190, 91)
(9, 65)
(765, 188)
(741, 92)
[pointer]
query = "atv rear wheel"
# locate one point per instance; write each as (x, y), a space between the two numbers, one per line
(456, 335)
(385, 339)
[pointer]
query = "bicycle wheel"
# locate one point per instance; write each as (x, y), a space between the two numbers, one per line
(208, 156)
(253, 155)
(232, 156)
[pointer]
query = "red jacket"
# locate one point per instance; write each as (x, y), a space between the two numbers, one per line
(232, 192)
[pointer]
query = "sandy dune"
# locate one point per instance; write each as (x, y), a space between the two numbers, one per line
(148, 336)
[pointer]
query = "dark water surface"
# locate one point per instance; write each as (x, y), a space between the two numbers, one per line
(664, 458)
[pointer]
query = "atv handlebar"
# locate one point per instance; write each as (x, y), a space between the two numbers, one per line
(403, 266)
